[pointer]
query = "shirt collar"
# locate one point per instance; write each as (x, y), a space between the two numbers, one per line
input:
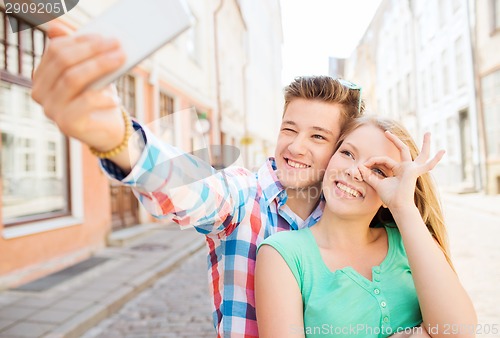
(271, 186)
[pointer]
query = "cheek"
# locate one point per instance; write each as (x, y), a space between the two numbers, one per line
(331, 174)
(280, 145)
(333, 165)
(324, 158)
(283, 141)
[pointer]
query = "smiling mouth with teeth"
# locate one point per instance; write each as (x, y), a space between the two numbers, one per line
(348, 190)
(296, 165)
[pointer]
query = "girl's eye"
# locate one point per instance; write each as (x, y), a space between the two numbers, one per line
(346, 153)
(288, 130)
(319, 137)
(379, 172)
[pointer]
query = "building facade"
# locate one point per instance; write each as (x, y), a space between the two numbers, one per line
(487, 61)
(417, 62)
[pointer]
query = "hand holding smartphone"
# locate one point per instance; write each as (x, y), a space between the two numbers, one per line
(142, 27)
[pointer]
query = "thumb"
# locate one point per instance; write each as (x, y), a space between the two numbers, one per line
(57, 29)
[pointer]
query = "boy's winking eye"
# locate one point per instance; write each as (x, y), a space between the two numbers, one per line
(318, 132)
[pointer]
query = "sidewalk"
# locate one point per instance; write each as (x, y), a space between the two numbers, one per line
(73, 306)
(489, 204)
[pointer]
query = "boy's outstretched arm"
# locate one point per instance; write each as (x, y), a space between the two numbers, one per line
(168, 182)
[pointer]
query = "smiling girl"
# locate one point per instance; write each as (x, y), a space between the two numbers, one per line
(377, 262)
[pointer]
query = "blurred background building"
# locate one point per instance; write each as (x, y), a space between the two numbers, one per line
(433, 65)
(486, 44)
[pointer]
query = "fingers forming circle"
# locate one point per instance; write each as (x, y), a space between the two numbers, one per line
(403, 148)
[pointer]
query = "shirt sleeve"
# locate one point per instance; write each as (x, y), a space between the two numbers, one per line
(178, 186)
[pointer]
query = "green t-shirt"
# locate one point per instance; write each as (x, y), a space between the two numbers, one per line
(343, 302)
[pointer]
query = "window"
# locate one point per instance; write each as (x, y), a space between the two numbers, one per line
(126, 91)
(409, 94)
(459, 62)
(401, 102)
(442, 12)
(2, 40)
(51, 158)
(491, 106)
(406, 39)
(33, 153)
(12, 52)
(434, 81)
(437, 135)
(390, 109)
(32, 191)
(167, 118)
(421, 32)
(423, 88)
(446, 77)
(397, 51)
(495, 15)
(451, 141)
(19, 52)
(5, 93)
(26, 152)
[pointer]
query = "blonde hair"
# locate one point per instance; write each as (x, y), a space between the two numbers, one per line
(329, 90)
(426, 196)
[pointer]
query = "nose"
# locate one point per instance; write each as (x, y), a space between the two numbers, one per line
(297, 146)
(354, 173)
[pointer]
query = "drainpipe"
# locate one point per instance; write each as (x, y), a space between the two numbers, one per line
(482, 176)
(218, 108)
(413, 25)
(245, 120)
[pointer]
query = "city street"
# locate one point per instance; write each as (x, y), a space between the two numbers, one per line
(178, 304)
(474, 238)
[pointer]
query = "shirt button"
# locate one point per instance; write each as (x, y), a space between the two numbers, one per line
(376, 291)
(386, 319)
(383, 304)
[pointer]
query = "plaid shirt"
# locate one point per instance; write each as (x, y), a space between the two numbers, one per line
(234, 208)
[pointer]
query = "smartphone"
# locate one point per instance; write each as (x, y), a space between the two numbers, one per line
(142, 27)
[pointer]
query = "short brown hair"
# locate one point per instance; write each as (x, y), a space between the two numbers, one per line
(326, 89)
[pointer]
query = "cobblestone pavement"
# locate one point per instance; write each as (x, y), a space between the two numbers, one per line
(475, 248)
(178, 305)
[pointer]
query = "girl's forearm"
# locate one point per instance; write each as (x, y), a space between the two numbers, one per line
(443, 300)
